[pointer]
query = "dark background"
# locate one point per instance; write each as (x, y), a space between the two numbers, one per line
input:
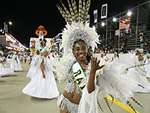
(26, 15)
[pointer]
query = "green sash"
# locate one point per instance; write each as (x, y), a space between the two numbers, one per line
(79, 76)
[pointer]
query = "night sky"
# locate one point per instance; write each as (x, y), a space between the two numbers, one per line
(26, 15)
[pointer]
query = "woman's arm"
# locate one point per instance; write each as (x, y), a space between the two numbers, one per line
(94, 67)
(42, 68)
(16, 59)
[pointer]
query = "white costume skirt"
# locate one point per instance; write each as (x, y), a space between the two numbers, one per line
(16, 66)
(144, 85)
(66, 105)
(32, 70)
(40, 87)
(147, 68)
(5, 70)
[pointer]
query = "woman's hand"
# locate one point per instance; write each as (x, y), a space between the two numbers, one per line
(95, 64)
(43, 75)
(94, 67)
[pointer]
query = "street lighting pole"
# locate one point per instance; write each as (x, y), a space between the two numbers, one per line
(119, 34)
(10, 24)
(106, 30)
(137, 24)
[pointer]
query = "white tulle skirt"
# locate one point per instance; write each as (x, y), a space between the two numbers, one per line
(144, 85)
(147, 68)
(40, 87)
(16, 66)
(5, 70)
(32, 70)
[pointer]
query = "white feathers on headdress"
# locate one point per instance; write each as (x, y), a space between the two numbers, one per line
(79, 31)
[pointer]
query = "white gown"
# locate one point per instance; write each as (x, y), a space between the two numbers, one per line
(147, 67)
(40, 87)
(9, 58)
(54, 59)
(32, 70)
(140, 75)
(14, 65)
(5, 68)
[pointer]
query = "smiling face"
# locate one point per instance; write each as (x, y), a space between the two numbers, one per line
(80, 51)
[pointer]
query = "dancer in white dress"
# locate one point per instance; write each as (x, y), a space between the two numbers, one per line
(115, 57)
(43, 84)
(4, 66)
(15, 63)
(9, 57)
(147, 65)
(138, 71)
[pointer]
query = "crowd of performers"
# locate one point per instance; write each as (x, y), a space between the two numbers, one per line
(9, 64)
(86, 73)
(134, 67)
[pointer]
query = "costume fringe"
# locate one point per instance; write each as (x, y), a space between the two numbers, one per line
(136, 102)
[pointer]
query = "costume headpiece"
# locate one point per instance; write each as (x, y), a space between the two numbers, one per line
(140, 50)
(77, 28)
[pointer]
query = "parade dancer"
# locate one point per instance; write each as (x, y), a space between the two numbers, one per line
(25, 57)
(147, 65)
(4, 66)
(83, 71)
(43, 84)
(15, 63)
(21, 58)
(115, 57)
(9, 57)
(136, 68)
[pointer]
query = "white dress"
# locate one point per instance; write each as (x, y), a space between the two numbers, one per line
(54, 59)
(15, 65)
(144, 85)
(40, 87)
(32, 70)
(5, 68)
(147, 67)
(9, 58)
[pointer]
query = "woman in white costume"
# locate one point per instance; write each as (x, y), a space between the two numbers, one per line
(15, 63)
(139, 71)
(83, 72)
(43, 84)
(21, 57)
(115, 57)
(25, 57)
(147, 65)
(9, 57)
(34, 62)
(4, 66)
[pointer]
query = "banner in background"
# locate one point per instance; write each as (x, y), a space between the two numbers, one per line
(95, 16)
(104, 10)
